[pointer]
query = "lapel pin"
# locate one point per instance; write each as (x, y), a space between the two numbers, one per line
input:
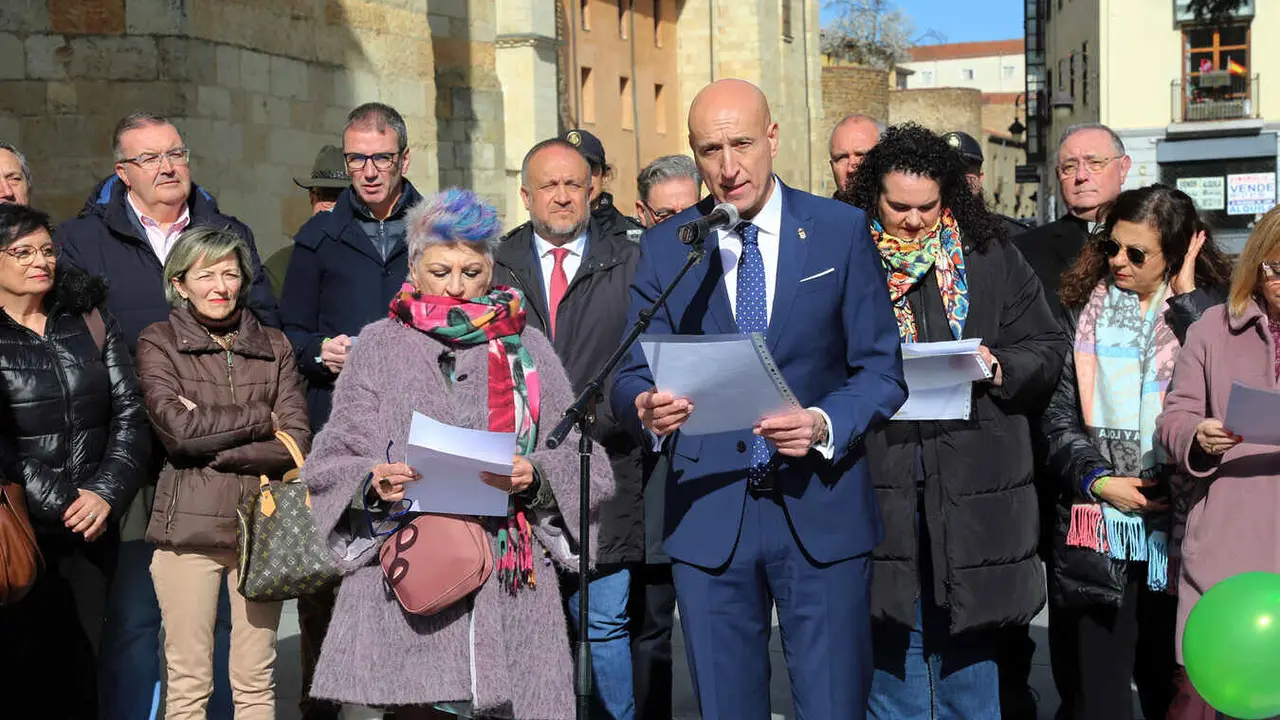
(800, 232)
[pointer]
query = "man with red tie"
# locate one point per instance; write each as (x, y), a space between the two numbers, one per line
(575, 276)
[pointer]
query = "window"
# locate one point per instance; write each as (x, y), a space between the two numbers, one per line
(1071, 63)
(624, 17)
(966, 73)
(1062, 73)
(588, 96)
(1216, 72)
(659, 109)
(627, 103)
(657, 23)
(1084, 73)
(926, 78)
(786, 19)
(1007, 71)
(584, 12)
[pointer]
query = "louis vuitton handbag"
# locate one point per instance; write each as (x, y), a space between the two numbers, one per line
(279, 552)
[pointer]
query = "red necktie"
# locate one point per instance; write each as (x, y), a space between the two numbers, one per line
(559, 283)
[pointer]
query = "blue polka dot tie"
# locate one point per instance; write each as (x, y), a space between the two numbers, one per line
(753, 316)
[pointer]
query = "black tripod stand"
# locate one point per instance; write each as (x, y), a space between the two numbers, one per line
(582, 415)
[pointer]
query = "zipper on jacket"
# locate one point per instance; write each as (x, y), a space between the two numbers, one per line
(230, 378)
(172, 510)
(62, 383)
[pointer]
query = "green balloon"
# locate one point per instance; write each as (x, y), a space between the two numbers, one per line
(1231, 646)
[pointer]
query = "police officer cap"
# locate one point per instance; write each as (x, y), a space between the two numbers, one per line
(963, 142)
(589, 145)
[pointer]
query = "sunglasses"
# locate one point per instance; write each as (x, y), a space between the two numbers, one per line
(1111, 248)
(390, 523)
(1271, 270)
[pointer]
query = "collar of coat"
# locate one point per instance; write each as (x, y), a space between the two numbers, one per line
(108, 201)
(251, 340)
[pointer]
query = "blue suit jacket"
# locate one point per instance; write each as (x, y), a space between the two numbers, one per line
(835, 340)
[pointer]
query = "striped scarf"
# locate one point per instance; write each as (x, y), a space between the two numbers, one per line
(1124, 361)
(496, 319)
(909, 260)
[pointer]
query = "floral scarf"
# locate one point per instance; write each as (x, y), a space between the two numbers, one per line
(1124, 361)
(909, 260)
(497, 320)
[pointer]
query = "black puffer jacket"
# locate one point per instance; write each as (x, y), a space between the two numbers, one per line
(70, 416)
(1082, 577)
(970, 479)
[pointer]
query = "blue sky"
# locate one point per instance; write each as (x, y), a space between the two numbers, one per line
(963, 20)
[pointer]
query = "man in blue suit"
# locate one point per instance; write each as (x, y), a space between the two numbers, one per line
(784, 513)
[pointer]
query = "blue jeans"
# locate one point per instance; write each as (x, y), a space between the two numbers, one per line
(129, 662)
(612, 694)
(925, 673)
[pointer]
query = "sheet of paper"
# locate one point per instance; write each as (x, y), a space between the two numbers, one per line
(942, 364)
(450, 460)
(730, 384)
(943, 403)
(1254, 414)
(940, 378)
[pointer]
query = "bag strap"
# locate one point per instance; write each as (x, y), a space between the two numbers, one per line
(97, 328)
(292, 445)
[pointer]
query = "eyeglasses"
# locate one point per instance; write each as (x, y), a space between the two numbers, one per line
(151, 161)
(1271, 270)
(26, 254)
(381, 161)
(1095, 165)
(391, 523)
(1111, 248)
(660, 215)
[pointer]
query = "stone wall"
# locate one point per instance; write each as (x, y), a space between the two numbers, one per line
(941, 110)
(851, 89)
(747, 41)
(254, 86)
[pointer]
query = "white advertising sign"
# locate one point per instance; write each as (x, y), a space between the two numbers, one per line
(1251, 193)
(1208, 192)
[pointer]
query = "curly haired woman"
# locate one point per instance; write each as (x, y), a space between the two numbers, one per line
(958, 561)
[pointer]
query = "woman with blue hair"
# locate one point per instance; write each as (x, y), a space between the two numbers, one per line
(454, 348)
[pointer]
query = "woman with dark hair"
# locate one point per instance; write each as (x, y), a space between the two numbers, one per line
(73, 434)
(1128, 301)
(958, 562)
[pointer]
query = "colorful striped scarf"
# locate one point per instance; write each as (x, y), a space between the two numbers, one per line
(1124, 360)
(909, 260)
(496, 319)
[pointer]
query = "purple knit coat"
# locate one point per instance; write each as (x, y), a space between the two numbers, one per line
(519, 664)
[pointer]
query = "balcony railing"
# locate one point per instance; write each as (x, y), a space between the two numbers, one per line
(1213, 96)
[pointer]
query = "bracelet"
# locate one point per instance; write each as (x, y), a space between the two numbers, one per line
(1096, 487)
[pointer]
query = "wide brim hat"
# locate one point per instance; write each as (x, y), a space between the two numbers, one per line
(328, 171)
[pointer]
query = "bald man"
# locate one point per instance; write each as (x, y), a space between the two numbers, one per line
(783, 514)
(851, 138)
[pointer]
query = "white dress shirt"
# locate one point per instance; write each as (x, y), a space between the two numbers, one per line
(577, 247)
(769, 224)
(161, 240)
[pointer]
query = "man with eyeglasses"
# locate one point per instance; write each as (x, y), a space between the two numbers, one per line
(124, 233)
(15, 176)
(1091, 168)
(667, 186)
(346, 266)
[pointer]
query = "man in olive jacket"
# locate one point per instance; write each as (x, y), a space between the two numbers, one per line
(576, 279)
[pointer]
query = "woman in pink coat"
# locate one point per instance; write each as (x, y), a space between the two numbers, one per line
(1231, 487)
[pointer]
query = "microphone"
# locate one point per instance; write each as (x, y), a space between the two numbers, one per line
(722, 216)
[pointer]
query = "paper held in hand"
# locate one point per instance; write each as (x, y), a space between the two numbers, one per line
(450, 460)
(940, 378)
(1254, 414)
(731, 380)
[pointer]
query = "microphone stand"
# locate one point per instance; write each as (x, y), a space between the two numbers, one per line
(582, 414)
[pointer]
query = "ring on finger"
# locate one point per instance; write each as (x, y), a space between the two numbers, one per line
(93, 515)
